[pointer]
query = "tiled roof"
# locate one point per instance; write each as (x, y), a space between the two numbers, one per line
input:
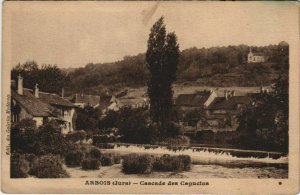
(196, 99)
(33, 105)
(91, 100)
(54, 100)
(230, 103)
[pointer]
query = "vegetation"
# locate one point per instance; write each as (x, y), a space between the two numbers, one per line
(49, 77)
(172, 163)
(265, 124)
(19, 167)
(90, 164)
(134, 164)
(49, 166)
(74, 158)
(215, 66)
(162, 58)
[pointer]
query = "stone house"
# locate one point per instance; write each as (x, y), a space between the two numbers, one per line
(40, 106)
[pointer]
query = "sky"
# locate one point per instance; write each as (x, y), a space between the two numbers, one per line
(72, 34)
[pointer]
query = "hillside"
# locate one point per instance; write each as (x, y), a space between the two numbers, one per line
(216, 66)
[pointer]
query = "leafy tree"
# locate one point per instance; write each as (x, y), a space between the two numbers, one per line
(134, 127)
(49, 77)
(265, 123)
(87, 119)
(162, 58)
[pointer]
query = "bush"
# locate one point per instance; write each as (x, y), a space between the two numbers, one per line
(76, 136)
(179, 140)
(74, 158)
(49, 166)
(106, 145)
(133, 164)
(32, 160)
(172, 163)
(19, 166)
(187, 161)
(117, 158)
(90, 164)
(95, 153)
(107, 160)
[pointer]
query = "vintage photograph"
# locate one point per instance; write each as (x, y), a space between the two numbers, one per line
(154, 90)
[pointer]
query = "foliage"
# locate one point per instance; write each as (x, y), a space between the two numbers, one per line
(265, 123)
(87, 118)
(76, 136)
(49, 166)
(162, 58)
(195, 64)
(107, 160)
(172, 163)
(133, 164)
(39, 141)
(95, 153)
(173, 141)
(74, 158)
(49, 77)
(90, 164)
(134, 126)
(19, 166)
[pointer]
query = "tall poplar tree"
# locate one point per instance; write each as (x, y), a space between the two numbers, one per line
(162, 58)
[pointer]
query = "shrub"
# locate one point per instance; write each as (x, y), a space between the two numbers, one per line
(95, 153)
(134, 163)
(76, 136)
(32, 160)
(106, 145)
(107, 160)
(117, 158)
(74, 158)
(187, 161)
(90, 164)
(172, 163)
(49, 166)
(178, 140)
(19, 167)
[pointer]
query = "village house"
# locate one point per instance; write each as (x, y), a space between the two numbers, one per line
(188, 102)
(255, 57)
(221, 114)
(82, 100)
(40, 106)
(218, 113)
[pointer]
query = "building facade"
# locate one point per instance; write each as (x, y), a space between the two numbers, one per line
(40, 106)
(256, 57)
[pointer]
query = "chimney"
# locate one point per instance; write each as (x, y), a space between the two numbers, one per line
(226, 95)
(20, 85)
(36, 90)
(62, 92)
(232, 93)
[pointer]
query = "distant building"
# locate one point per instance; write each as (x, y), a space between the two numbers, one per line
(255, 57)
(82, 100)
(222, 113)
(200, 99)
(40, 106)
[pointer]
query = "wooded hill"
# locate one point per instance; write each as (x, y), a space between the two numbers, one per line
(215, 66)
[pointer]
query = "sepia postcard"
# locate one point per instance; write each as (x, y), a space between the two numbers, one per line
(150, 97)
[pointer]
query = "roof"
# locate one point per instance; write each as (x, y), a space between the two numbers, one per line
(230, 103)
(54, 99)
(105, 102)
(258, 54)
(196, 99)
(33, 105)
(91, 100)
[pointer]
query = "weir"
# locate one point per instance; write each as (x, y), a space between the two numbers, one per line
(206, 155)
